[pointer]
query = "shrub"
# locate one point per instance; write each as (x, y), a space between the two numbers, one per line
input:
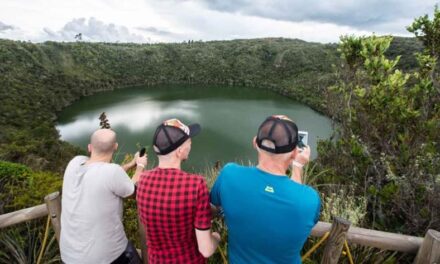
(20, 187)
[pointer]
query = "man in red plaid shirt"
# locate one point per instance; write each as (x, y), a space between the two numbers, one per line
(174, 205)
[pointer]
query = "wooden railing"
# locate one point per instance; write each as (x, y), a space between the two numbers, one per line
(427, 249)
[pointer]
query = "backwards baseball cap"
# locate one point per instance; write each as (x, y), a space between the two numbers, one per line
(171, 134)
(281, 131)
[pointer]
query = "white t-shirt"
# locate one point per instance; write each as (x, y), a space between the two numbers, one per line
(91, 212)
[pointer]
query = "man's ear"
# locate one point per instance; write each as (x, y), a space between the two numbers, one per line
(89, 148)
(178, 152)
(116, 146)
(254, 143)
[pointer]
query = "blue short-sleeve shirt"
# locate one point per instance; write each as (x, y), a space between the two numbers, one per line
(269, 217)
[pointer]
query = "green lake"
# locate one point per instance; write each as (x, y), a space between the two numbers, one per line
(229, 117)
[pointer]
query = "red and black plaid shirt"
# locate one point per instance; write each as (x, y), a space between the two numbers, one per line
(171, 203)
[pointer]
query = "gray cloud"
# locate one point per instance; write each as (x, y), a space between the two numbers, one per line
(367, 14)
(93, 30)
(4, 27)
(156, 31)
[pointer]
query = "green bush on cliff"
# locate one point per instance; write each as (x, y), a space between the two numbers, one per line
(388, 145)
(20, 187)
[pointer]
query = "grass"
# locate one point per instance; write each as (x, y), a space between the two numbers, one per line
(22, 244)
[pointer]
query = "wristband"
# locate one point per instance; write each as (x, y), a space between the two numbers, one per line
(297, 164)
(140, 165)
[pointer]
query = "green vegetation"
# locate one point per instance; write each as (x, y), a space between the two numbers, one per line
(21, 187)
(388, 140)
(38, 80)
(23, 245)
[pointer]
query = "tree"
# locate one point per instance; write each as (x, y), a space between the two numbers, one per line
(428, 31)
(388, 141)
(78, 36)
(103, 121)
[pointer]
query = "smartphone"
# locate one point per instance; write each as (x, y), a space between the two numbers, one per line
(142, 152)
(303, 137)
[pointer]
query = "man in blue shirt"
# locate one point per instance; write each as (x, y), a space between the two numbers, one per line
(269, 215)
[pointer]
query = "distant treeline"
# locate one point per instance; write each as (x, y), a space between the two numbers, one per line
(38, 80)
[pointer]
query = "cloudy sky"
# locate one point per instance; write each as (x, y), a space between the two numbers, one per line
(178, 20)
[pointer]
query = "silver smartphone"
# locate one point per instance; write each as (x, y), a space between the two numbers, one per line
(303, 137)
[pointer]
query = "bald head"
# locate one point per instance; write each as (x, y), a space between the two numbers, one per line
(273, 157)
(103, 141)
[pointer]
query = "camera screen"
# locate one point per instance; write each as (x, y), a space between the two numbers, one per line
(302, 138)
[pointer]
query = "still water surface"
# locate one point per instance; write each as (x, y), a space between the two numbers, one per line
(229, 117)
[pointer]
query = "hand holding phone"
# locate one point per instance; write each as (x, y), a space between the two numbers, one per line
(302, 158)
(141, 158)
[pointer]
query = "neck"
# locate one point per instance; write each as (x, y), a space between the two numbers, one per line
(272, 167)
(100, 158)
(169, 164)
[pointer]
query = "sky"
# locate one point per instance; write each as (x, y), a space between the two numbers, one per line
(147, 21)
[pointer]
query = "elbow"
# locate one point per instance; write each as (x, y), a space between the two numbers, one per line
(206, 252)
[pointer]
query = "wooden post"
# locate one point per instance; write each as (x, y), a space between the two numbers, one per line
(333, 247)
(143, 240)
(429, 251)
(53, 203)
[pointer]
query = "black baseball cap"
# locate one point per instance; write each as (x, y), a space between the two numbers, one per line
(281, 131)
(171, 134)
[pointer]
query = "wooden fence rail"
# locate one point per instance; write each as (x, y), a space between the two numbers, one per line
(23, 215)
(374, 238)
(428, 249)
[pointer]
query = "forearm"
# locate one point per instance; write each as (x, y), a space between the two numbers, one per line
(214, 244)
(207, 242)
(137, 174)
(301, 159)
(127, 166)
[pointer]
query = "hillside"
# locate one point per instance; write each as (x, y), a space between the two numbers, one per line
(38, 80)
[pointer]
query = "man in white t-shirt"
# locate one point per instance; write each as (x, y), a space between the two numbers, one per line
(91, 218)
